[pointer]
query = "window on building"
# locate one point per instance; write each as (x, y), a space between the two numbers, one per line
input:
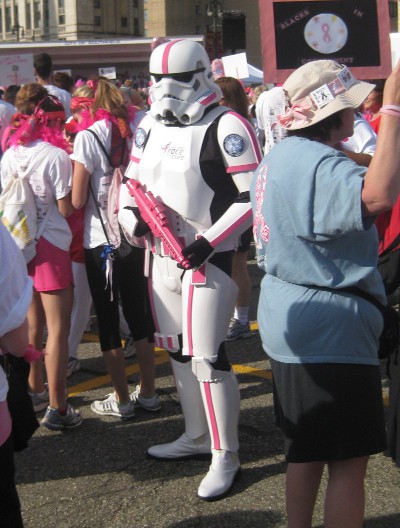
(61, 13)
(145, 15)
(135, 3)
(136, 27)
(393, 9)
(36, 15)
(97, 21)
(124, 22)
(28, 15)
(198, 9)
(197, 30)
(8, 18)
(46, 16)
(1, 20)
(97, 4)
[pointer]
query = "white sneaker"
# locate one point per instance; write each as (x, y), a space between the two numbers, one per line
(184, 448)
(111, 407)
(152, 404)
(223, 472)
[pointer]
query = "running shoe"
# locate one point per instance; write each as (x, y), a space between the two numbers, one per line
(152, 404)
(237, 330)
(73, 366)
(111, 407)
(55, 421)
(40, 400)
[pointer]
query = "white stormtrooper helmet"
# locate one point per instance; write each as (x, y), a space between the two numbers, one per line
(183, 85)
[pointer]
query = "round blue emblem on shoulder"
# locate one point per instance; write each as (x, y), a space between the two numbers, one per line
(140, 138)
(234, 145)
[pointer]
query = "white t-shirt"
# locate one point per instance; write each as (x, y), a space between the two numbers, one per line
(15, 292)
(363, 139)
(63, 96)
(88, 152)
(6, 112)
(50, 177)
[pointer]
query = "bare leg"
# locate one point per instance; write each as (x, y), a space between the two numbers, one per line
(57, 306)
(145, 357)
(302, 483)
(344, 503)
(115, 364)
(240, 274)
(36, 322)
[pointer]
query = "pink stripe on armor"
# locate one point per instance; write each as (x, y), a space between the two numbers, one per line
(211, 414)
(164, 66)
(242, 168)
(170, 344)
(231, 228)
(189, 320)
(209, 99)
(134, 159)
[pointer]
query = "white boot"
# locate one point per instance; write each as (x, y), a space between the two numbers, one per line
(195, 442)
(218, 482)
(184, 448)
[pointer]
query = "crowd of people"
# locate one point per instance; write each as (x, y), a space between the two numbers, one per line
(320, 206)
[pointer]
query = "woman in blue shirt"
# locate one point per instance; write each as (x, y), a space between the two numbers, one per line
(314, 211)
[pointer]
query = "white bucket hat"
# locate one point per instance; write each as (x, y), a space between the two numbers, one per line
(319, 89)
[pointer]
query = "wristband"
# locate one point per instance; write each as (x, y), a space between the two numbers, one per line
(32, 354)
(392, 110)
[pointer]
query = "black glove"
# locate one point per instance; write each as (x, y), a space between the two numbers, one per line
(197, 252)
(142, 227)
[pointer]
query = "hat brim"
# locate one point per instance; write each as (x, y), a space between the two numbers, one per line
(352, 98)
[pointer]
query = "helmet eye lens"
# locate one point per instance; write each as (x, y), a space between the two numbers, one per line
(182, 77)
(185, 77)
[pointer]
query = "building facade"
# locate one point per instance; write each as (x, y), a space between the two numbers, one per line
(48, 20)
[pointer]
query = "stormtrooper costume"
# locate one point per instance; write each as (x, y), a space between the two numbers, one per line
(197, 159)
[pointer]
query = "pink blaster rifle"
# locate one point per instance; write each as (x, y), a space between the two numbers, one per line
(153, 213)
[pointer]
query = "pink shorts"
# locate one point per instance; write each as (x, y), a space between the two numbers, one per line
(51, 269)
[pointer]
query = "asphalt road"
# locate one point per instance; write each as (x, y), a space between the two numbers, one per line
(98, 475)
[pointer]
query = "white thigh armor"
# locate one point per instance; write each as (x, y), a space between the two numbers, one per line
(201, 313)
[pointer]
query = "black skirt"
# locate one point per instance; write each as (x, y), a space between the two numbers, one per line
(329, 411)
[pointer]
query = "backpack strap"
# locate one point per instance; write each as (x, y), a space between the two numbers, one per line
(103, 148)
(105, 151)
(93, 195)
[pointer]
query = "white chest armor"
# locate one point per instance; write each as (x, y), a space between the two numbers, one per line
(170, 169)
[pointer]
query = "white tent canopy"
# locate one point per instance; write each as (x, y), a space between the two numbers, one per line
(256, 76)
